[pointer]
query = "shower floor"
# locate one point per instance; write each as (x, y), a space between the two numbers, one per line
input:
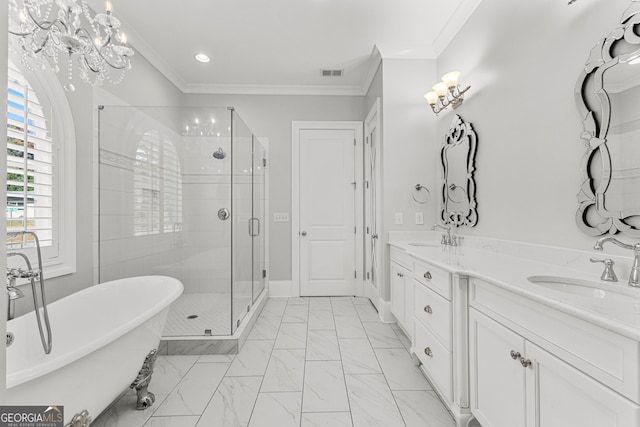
(213, 312)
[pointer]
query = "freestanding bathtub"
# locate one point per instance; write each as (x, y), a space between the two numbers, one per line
(101, 336)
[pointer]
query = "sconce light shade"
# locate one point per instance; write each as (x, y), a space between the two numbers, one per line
(431, 97)
(440, 89)
(451, 79)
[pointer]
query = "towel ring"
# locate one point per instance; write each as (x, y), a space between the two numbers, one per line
(419, 196)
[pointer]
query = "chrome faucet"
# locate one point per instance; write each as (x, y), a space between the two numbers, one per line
(447, 239)
(634, 276)
(13, 294)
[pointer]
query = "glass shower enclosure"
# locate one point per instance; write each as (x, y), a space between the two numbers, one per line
(182, 194)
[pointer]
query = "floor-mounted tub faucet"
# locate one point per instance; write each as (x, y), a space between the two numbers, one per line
(634, 276)
(447, 239)
(41, 313)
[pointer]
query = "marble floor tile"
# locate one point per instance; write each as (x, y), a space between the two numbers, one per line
(252, 359)
(326, 419)
(191, 395)
(265, 328)
(296, 313)
(321, 320)
(285, 371)
(292, 336)
(274, 307)
(232, 403)
(344, 308)
(168, 371)
(322, 345)
(216, 358)
(298, 301)
(349, 327)
(324, 388)
(358, 357)
(400, 371)
(319, 304)
(277, 410)
(367, 313)
(361, 300)
(372, 404)
(406, 342)
(172, 421)
(123, 413)
(422, 409)
(382, 336)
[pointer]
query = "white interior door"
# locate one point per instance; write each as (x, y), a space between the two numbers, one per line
(327, 212)
(372, 206)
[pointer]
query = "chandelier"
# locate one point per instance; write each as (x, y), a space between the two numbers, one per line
(44, 29)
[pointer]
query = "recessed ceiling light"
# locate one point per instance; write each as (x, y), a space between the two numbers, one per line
(202, 58)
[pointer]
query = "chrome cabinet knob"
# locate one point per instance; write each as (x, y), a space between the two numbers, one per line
(427, 309)
(427, 275)
(515, 355)
(428, 352)
(525, 362)
(304, 233)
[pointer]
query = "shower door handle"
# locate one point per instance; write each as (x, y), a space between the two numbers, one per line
(251, 227)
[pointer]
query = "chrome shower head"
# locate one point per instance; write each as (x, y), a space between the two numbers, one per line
(219, 154)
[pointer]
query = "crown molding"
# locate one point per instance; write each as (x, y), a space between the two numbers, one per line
(370, 73)
(462, 13)
(150, 54)
(241, 89)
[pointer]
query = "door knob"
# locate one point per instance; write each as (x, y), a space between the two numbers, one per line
(304, 233)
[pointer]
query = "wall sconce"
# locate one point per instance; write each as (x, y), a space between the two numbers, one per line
(446, 93)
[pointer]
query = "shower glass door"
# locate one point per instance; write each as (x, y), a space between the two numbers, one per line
(241, 214)
(257, 222)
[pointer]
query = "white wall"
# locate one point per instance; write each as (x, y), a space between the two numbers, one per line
(271, 117)
(409, 148)
(522, 60)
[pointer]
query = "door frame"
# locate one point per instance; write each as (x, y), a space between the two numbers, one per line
(296, 128)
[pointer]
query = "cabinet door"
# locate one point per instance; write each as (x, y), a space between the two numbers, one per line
(559, 395)
(398, 275)
(497, 380)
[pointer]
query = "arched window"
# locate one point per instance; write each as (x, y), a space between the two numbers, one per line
(40, 189)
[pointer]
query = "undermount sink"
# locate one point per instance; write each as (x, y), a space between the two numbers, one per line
(594, 294)
(432, 244)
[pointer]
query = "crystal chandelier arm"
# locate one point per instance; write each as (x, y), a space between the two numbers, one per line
(82, 33)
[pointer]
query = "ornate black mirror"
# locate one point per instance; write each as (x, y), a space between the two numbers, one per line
(608, 98)
(459, 187)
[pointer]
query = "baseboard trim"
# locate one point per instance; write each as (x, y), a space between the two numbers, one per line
(280, 288)
(385, 312)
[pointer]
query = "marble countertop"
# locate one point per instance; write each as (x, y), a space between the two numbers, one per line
(511, 273)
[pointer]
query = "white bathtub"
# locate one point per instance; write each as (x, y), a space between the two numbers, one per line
(101, 336)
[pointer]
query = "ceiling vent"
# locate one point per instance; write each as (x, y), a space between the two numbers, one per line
(332, 73)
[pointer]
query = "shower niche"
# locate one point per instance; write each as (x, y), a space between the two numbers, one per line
(182, 193)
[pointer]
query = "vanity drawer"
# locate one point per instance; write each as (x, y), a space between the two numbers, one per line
(401, 257)
(436, 360)
(433, 277)
(434, 312)
(606, 356)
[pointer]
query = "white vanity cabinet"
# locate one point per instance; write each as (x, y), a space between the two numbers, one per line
(528, 363)
(440, 334)
(401, 289)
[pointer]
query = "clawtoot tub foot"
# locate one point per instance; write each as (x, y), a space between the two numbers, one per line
(83, 419)
(145, 397)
